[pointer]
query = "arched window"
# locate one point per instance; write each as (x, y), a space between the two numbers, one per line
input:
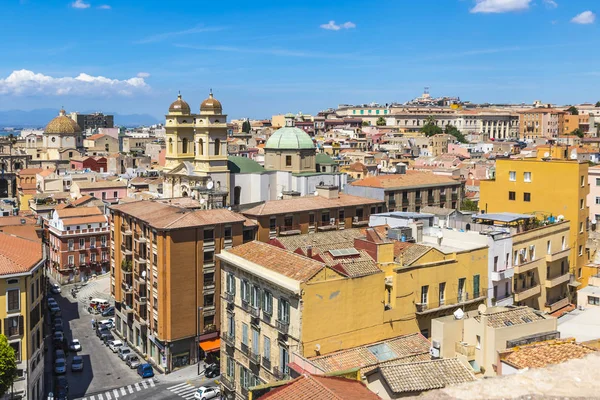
(184, 146)
(170, 145)
(217, 147)
(200, 147)
(237, 193)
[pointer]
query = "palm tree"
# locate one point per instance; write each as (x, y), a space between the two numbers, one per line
(430, 120)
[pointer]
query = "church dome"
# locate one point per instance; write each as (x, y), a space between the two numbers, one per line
(211, 105)
(62, 124)
(289, 138)
(179, 105)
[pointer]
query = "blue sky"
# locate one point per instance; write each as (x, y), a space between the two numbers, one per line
(262, 58)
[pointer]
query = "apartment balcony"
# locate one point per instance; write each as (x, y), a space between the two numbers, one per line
(463, 299)
(558, 255)
(282, 326)
(501, 275)
(281, 373)
(126, 230)
(126, 268)
(127, 288)
(228, 382)
(430, 199)
(289, 230)
(229, 297)
(530, 265)
(557, 304)
(467, 350)
(454, 196)
(245, 349)
(254, 358)
(139, 238)
(505, 301)
(127, 308)
(523, 294)
(254, 311)
(126, 250)
(358, 222)
(550, 283)
(229, 338)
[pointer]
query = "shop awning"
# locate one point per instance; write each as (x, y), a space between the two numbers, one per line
(211, 345)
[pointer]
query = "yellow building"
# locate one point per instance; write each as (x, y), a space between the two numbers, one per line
(544, 187)
(21, 294)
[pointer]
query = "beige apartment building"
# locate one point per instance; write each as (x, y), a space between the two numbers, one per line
(541, 123)
(165, 278)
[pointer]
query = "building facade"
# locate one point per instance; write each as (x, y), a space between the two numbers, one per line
(541, 123)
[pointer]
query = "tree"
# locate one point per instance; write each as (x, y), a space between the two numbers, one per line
(431, 129)
(578, 132)
(598, 104)
(573, 110)
(8, 365)
(452, 130)
(365, 123)
(469, 205)
(381, 122)
(246, 127)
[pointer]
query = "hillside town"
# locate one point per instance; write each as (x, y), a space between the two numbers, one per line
(373, 251)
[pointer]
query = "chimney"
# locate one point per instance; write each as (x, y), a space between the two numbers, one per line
(309, 251)
(328, 191)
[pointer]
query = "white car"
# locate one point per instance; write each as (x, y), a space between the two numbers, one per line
(114, 345)
(77, 363)
(123, 352)
(75, 345)
(207, 392)
(55, 288)
(107, 323)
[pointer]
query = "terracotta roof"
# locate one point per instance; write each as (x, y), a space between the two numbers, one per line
(410, 179)
(539, 355)
(61, 206)
(164, 216)
(29, 171)
(424, 375)
(47, 172)
(313, 387)
(307, 203)
(284, 262)
(78, 212)
(321, 241)
(357, 167)
(31, 232)
(81, 200)
(12, 221)
(411, 253)
(100, 184)
(18, 255)
(360, 357)
(92, 219)
(502, 317)
(96, 136)
(354, 267)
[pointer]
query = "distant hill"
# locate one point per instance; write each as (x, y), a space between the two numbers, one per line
(40, 117)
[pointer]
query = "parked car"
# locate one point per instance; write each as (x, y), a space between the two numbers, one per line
(51, 301)
(145, 370)
(207, 392)
(123, 351)
(114, 345)
(61, 382)
(106, 323)
(57, 327)
(77, 363)
(54, 309)
(55, 288)
(106, 337)
(58, 337)
(75, 345)
(101, 331)
(109, 311)
(60, 366)
(58, 354)
(133, 361)
(212, 370)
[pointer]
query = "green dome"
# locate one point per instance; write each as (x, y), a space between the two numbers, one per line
(289, 138)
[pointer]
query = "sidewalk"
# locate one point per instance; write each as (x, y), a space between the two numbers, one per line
(188, 373)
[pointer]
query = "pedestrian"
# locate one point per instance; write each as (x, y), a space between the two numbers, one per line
(93, 323)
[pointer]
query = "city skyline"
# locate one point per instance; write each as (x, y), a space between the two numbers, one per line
(266, 59)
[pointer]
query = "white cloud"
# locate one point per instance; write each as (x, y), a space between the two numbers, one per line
(143, 75)
(104, 7)
(500, 6)
(550, 3)
(332, 26)
(27, 83)
(166, 35)
(80, 4)
(586, 17)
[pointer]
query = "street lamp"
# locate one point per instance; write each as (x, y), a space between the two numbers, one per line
(198, 338)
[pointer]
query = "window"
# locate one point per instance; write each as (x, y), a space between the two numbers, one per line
(12, 300)
(512, 196)
(478, 341)
(245, 334)
(549, 247)
(245, 291)
(526, 196)
(424, 292)
(230, 325)
(92, 242)
(82, 243)
(288, 161)
(531, 252)
(230, 284)
(209, 257)
(512, 176)
(209, 235)
(17, 348)
(582, 181)
(581, 204)
(580, 250)
(283, 311)
(579, 273)
(595, 301)
(82, 259)
(103, 195)
(230, 372)
(267, 348)
(115, 195)
(71, 245)
(255, 342)
(564, 243)
(461, 288)
(267, 303)
(32, 292)
(255, 297)
(103, 241)
(527, 176)
(13, 326)
(442, 293)
(227, 232)
(284, 359)
(217, 147)
(475, 286)
(184, 145)
(495, 263)
(71, 260)
(581, 227)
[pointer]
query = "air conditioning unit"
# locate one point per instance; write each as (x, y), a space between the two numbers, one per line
(435, 344)
(331, 221)
(355, 219)
(389, 281)
(434, 353)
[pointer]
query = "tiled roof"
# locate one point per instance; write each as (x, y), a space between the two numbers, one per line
(96, 136)
(354, 267)
(307, 203)
(11, 221)
(18, 255)
(31, 232)
(92, 219)
(278, 260)
(502, 317)
(539, 355)
(424, 375)
(29, 171)
(47, 172)
(83, 199)
(313, 387)
(410, 179)
(321, 241)
(164, 216)
(78, 212)
(100, 184)
(408, 254)
(360, 357)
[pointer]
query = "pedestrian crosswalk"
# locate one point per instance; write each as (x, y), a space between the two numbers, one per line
(184, 390)
(122, 391)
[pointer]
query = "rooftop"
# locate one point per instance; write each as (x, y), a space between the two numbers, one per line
(17, 254)
(78, 212)
(307, 203)
(99, 184)
(421, 376)
(353, 266)
(281, 261)
(315, 387)
(321, 241)
(164, 216)
(501, 317)
(583, 325)
(504, 217)
(243, 165)
(538, 355)
(413, 345)
(410, 179)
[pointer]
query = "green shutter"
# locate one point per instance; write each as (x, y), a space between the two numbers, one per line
(475, 286)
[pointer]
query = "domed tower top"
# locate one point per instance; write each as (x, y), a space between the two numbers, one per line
(62, 125)
(211, 106)
(179, 106)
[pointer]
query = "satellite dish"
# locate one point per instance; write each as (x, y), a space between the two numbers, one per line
(210, 185)
(482, 308)
(560, 217)
(202, 201)
(546, 154)
(143, 274)
(459, 314)
(573, 156)
(379, 166)
(316, 192)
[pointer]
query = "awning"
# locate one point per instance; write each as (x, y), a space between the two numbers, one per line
(211, 345)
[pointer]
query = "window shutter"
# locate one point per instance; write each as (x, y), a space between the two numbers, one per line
(21, 325)
(6, 327)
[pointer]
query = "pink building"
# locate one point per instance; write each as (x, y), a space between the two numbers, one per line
(109, 191)
(458, 150)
